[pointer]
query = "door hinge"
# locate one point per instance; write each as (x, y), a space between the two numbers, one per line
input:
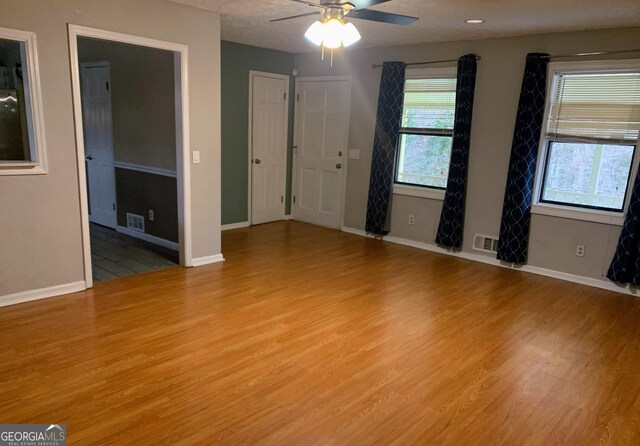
(298, 97)
(285, 95)
(294, 199)
(114, 206)
(107, 85)
(281, 199)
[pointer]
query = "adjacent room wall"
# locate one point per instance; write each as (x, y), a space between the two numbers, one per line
(553, 240)
(142, 101)
(237, 61)
(41, 243)
(144, 130)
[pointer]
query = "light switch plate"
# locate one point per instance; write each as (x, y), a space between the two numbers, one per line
(354, 154)
(196, 157)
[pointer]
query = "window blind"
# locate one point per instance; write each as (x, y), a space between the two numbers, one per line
(429, 103)
(596, 107)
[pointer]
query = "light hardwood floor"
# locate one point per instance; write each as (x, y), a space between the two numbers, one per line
(311, 336)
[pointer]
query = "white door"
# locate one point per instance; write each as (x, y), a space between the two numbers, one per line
(269, 110)
(322, 133)
(98, 143)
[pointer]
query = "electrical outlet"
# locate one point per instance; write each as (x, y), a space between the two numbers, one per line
(152, 215)
(580, 251)
(412, 219)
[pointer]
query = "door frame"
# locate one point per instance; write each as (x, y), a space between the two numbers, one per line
(183, 173)
(296, 120)
(106, 64)
(285, 77)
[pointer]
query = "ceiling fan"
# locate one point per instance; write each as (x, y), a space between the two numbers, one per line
(332, 30)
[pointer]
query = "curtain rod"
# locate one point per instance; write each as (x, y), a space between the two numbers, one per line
(595, 53)
(425, 63)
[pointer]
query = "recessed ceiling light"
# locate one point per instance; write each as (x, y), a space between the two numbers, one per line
(474, 21)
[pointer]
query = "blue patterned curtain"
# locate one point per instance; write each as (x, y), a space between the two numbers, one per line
(516, 211)
(451, 224)
(625, 266)
(385, 142)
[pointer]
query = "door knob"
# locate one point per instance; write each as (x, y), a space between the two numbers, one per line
(338, 166)
(88, 158)
(257, 161)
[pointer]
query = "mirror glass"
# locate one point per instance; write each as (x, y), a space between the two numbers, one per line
(16, 128)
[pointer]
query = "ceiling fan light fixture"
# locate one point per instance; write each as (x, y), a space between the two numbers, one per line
(333, 33)
(316, 33)
(350, 34)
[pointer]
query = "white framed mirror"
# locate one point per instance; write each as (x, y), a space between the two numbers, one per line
(22, 144)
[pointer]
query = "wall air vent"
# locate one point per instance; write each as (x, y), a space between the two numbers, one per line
(485, 243)
(135, 222)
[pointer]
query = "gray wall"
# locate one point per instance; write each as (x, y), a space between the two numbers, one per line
(237, 61)
(40, 218)
(144, 133)
(137, 192)
(553, 240)
(142, 101)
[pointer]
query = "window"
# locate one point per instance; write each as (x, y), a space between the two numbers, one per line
(590, 138)
(428, 115)
(21, 132)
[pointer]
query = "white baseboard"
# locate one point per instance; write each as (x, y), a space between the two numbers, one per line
(41, 293)
(583, 280)
(199, 261)
(241, 224)
(148, 238)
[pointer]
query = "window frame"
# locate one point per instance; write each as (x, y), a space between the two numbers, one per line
(412, 189)
(578, 212)
(34, 113)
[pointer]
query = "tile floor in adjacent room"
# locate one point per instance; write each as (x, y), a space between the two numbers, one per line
(116, 255)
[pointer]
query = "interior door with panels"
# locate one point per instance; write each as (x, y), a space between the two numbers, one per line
(322, 133)
(269, 109)
(97, 123)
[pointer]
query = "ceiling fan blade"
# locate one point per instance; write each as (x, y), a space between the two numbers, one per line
(384, 17)
(361, 4)
(296, 16)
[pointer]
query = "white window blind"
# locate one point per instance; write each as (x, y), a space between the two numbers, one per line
(596, 107)
(429, 103)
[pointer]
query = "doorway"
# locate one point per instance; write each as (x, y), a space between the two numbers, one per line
(111, 160)
(268, 127)
(320, 154)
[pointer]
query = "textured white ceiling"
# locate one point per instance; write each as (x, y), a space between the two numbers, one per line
(247, 21)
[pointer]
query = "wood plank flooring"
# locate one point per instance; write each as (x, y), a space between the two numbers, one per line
(309, 336)
(116, 255)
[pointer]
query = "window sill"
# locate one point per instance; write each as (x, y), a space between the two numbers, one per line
(417, 191)
(594, 216)
(21, 168)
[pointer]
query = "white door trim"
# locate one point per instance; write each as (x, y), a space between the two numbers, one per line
(181, 65)
(252, 74)
(345, 161)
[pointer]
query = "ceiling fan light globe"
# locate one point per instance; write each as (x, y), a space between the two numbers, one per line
(333, 34)
(316, 33)
(350, 34)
